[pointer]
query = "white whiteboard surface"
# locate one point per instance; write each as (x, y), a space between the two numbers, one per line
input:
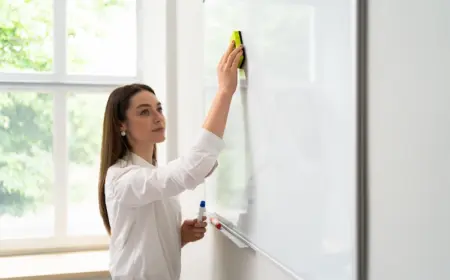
(287, 180)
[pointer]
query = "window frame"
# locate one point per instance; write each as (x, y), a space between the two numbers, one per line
(59, 83)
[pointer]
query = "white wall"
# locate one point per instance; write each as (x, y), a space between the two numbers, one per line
(409, 139)
(409, 145)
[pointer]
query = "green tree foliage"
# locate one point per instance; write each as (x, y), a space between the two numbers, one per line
(26, 118)
(26, 35)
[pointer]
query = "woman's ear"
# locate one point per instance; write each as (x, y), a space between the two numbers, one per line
(123, 127)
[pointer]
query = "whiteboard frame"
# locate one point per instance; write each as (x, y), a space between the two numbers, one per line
(362, 218)
(242, 242)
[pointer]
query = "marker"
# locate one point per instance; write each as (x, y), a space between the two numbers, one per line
(201, 211)
(216, 223)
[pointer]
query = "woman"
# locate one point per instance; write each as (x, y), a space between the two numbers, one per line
(138, 200)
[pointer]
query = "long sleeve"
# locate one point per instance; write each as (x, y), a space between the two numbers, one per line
(136, 185)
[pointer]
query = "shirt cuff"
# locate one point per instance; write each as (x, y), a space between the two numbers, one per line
(210, 142)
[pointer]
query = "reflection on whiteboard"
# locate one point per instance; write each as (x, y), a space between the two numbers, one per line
(227, 186)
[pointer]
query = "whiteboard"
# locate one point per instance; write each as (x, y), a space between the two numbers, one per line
(287, 180)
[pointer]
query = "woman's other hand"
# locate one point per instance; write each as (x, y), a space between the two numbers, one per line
(227, 69)
(192, 230)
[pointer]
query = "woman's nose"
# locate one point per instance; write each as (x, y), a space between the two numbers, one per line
(158, 118)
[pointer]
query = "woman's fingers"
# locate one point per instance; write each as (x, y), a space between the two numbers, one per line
(199, 230)
(236, 60)
(236, 53)
(200, 225)
(227, 53)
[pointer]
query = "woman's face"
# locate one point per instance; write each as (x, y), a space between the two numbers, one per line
(145, 122)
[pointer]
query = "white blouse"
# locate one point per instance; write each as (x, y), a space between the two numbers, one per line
(145, 214)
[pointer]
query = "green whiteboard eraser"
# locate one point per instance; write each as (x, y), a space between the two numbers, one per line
(237, 38)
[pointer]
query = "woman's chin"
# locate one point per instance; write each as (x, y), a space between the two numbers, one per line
(160, 139)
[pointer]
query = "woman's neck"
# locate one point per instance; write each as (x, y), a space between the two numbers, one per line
(145, 152)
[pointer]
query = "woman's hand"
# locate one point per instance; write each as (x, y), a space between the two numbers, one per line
(227, 69)
(217, 117)
(192, 231)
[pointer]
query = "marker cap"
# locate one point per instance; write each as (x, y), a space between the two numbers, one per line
(216, 223)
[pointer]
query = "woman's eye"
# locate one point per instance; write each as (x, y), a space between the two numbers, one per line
(145, 112)
(160, 110)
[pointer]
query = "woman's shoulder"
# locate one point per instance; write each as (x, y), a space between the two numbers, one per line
(121, 167)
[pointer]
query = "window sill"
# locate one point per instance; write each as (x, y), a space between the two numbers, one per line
(55, 266)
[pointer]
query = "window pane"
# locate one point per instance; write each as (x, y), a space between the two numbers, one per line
(26, 165)
(102, 37)
(26, 36)
(85, 124)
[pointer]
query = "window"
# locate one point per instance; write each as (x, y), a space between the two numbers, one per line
(90, 50)
(60, 60)
(84, 161)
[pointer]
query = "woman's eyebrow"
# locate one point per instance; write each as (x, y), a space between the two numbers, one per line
(147, 105)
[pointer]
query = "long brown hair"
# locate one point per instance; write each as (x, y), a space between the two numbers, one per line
(114, 146)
